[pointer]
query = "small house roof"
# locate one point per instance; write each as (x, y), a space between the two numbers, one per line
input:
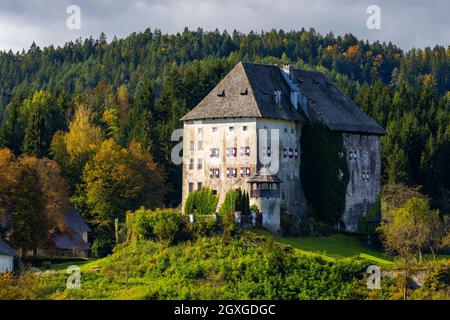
(6, 250)
(74, 220)
(264, 177)
(70, 241)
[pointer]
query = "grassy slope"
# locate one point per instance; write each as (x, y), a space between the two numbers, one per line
(335, 246)
(208, 269)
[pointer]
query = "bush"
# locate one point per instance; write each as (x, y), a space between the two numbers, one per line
(201, 202)
(168, 225)
(205, 226)
(102, 247)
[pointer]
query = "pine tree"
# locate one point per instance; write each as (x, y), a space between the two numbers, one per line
(35, 135)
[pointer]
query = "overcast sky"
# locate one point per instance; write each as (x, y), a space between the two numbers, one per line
(407, 23)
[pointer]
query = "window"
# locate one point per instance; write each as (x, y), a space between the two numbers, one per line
(199, 164)
(296, 153)
(230, 129)
(214, 152)
(214, 129)
(292, 130)
(340, 175)
(199, 130)
(244, 128)
(200, 145)
(199, 186)
(285, 153)
(352, 155)
(214, 191)
(231, 152)
(191, 187)
(214, 173)
(365, 176)
(231, 172)
(245, 171)
(365, 158)
(191, 146)
(245, 151)
(191, 164)
(285, 130)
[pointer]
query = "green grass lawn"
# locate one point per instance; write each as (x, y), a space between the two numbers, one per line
(335, 246)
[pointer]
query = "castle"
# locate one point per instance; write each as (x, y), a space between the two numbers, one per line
(246, 134)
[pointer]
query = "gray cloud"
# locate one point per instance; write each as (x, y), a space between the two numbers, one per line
(405, 23)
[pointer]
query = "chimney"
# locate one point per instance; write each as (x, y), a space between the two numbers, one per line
(287, 68)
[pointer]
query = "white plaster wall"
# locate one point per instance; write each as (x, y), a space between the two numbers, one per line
(222, 139)
(6, 263)
(291, 194)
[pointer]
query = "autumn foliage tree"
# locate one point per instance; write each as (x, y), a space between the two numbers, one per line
(33, 199)
(117, 180)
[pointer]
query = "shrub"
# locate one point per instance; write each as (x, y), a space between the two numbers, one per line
(168, 225)
(102, 247)
(201, 202)
(205, 226)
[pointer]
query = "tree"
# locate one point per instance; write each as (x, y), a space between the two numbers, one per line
(117, 180)
(409, 229)
(34, 198)
(201, 202)
(42, 117)
(11, 132)
(139, 125)
(73, 149)
(35, 135)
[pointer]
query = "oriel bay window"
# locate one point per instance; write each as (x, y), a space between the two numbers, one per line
(264, 186)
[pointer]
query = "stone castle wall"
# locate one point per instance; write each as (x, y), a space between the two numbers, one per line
(364, 163)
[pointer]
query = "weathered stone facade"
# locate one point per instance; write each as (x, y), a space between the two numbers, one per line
(364, 164)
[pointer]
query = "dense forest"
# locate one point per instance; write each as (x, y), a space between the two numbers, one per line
(99, 107)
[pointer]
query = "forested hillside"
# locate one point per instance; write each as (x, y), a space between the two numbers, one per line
(93, 103)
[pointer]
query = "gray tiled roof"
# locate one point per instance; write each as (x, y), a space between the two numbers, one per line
(5, 249)
(70, 241)
(248, 91)
(75, 221)
(328, 104)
